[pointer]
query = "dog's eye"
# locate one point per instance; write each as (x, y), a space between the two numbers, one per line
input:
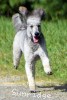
(31, 26)
(38, 25)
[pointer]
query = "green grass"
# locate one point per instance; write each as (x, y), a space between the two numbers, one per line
(56, 38)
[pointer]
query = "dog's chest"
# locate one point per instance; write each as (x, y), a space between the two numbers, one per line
(34, 47)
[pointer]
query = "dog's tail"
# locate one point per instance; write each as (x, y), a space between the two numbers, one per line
(18, 23)
(19, 19)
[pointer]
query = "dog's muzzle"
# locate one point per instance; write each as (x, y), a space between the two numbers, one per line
(36, 37)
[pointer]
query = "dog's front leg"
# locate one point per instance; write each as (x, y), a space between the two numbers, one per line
(46, 64)
(30, 76)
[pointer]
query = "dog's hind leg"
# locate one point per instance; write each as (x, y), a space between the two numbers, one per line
(16, 55)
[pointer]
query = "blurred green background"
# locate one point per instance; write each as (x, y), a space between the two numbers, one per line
(54, 29)
(54, 8)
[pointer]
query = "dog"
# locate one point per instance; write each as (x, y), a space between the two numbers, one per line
(30, 41)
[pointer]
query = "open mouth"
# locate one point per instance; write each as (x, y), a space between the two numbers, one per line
(36, 39)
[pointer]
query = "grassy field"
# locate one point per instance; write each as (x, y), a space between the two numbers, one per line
(56, 38)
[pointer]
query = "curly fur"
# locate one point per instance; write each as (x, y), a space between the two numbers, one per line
(24, 43)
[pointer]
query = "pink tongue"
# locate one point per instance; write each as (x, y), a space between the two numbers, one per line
(35, 40)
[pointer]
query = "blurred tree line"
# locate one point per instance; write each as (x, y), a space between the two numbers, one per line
(54, 8)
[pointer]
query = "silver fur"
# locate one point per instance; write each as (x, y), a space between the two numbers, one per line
(23, 43)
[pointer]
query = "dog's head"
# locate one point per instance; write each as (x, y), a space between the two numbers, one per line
(33, 22)
(34, 28)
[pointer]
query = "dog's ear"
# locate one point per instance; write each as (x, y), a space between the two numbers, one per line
(23, 11)
(40, 12)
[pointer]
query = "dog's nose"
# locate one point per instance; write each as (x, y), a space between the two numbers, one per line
(36, 33)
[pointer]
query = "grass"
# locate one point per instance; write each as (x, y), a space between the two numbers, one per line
(56, 38)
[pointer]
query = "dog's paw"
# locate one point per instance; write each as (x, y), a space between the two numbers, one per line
(15, 67)
(49, 73)
(32, 91)
(48, 70)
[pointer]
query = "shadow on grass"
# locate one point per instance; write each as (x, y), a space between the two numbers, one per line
(62, 88)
